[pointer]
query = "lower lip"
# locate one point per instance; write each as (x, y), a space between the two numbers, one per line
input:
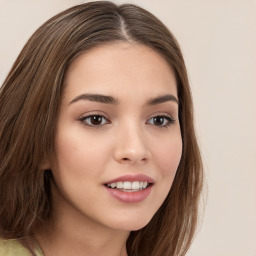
(130, 197)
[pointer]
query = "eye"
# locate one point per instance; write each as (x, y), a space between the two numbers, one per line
(94, 120)
(161, 121)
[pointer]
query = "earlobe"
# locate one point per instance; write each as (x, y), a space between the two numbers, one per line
(45, 165)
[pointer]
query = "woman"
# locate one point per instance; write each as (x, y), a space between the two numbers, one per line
(98, 150)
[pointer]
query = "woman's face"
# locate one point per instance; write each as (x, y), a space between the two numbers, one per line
(118, 142)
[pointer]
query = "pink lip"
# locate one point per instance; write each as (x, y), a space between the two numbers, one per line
(130, 197)
(137, 177)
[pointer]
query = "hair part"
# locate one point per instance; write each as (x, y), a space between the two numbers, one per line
(29, 107)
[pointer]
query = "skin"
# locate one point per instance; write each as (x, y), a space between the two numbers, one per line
(86, 219)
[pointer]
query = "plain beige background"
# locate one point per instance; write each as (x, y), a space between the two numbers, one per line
(218, 40)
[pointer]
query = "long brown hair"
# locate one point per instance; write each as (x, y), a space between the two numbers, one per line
(29, 106)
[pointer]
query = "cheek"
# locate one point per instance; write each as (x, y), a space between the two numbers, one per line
(168, 155)
(77, 167)
(78, 155)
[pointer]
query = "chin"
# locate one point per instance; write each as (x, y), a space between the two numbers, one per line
(132, 224)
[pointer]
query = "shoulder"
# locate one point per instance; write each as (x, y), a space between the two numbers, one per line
(12, 247)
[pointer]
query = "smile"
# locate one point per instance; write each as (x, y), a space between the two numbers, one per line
(130, 188)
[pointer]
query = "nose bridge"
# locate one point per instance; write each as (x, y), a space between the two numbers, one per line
(131, 143)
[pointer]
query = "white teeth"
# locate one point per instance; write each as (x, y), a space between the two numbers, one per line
(135, 185)
(113, 185)
(119, 185)
(128, 185)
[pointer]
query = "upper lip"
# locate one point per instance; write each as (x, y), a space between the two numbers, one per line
(137, 177)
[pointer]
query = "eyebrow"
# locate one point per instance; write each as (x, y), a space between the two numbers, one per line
(162, 99)
(96, 98)
(111, 100)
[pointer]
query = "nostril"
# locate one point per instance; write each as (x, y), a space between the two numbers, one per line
(127, 159)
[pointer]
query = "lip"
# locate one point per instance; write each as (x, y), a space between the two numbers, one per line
(137, 177)
(130, 197)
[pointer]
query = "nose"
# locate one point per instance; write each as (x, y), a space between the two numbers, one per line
(131, 146)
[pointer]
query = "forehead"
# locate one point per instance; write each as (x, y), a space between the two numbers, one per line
(120, 69)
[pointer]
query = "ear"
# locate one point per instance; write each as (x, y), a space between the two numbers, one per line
(45, 165)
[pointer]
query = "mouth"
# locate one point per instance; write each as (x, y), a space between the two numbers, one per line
(129, 186)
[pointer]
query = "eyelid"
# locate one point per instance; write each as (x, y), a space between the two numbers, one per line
(93, 113)
(83, 118)
(164, 114)
(170, 119)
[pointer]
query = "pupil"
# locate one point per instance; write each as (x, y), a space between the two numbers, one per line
(96, 120)
(158, 120)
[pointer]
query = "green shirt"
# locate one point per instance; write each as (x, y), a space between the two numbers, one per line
(12, 247)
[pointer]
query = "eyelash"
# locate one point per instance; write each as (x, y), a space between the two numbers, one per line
(84, 118)
(168, 120)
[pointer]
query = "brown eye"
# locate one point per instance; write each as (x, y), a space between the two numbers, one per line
(158, 120)
(94, 120)
(161, 121)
